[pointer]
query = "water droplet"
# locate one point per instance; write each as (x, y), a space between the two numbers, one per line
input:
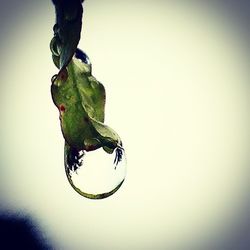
(79, 54)
(95, 174)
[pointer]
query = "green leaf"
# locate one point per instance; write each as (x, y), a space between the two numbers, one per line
(80, 99)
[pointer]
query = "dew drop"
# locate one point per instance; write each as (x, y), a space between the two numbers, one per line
(95, 174)
(79, 54)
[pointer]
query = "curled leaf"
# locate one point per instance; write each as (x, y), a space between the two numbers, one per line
(79, 97)
(67, 30)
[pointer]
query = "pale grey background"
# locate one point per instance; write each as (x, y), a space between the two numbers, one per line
(129, 58)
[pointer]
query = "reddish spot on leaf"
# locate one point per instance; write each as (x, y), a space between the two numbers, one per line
(90, 147)
(62, 108)
(63, 75)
